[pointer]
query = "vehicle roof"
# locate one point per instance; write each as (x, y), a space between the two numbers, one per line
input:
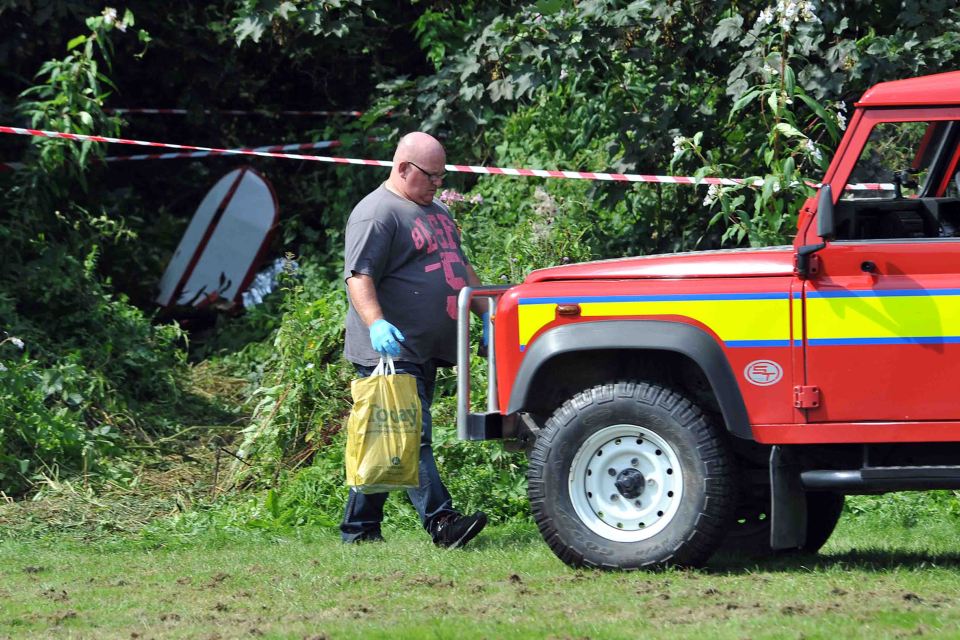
(938, 89)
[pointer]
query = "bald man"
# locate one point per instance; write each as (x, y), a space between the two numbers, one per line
(403, 269)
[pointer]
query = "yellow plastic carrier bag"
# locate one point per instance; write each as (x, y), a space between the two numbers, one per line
(383, 431)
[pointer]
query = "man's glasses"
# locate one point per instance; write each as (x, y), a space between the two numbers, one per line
(434, 177)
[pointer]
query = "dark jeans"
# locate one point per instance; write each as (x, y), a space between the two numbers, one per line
(364, 512)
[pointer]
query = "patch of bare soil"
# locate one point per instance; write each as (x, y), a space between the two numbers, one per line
(216, 580)
(430, 581)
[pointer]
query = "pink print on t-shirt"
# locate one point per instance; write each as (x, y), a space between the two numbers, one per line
(422, 236)
(441, 234)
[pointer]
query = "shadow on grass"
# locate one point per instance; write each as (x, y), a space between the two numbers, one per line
(513, 536)
(880, 560)
(502, 538)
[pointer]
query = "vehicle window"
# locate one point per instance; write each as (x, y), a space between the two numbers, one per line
(904, 147)
(887, 196)
(953, 187)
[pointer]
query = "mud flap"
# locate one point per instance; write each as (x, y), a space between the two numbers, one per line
(788, 502)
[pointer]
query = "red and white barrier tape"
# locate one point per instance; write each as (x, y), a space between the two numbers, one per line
(323, 144)
(542, 173)
(235, 112)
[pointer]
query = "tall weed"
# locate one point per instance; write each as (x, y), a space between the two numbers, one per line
(304, 393)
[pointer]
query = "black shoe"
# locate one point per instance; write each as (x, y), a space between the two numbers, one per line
(370, 536)
(455, 529)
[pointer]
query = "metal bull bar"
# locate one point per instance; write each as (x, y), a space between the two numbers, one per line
(476, 426)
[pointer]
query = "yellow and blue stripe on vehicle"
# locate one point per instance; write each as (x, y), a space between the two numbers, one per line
(739, 319)
(850, 317)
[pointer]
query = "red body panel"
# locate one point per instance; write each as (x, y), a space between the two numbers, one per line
(855, 433)
(764, 403)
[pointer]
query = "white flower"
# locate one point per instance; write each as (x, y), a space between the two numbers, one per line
(678, 142)
(109, 15)
(841, 119)
(806, 12)
(563, 73)
(2, 367)
(770, 70)
(712, 194)
(813, 150)
(788, 10)
(765, 18)
(776, 186)
(17, 342)
(787, 13)
(309, 366)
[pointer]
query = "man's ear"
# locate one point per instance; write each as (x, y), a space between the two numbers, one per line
(402, 168)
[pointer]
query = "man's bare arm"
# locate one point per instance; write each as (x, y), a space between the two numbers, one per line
(363, 295)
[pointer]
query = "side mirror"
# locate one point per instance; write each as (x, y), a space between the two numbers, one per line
(825, 222)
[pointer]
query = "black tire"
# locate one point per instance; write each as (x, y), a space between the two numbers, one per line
(688, 508)
(750, 533)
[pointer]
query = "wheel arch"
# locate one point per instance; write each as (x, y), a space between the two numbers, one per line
(587, 350)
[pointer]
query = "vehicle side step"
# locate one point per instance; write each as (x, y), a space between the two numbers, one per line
(879, 479)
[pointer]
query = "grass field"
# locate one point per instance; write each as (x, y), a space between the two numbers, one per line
(873, 580)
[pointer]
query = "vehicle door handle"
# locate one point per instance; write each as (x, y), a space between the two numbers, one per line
(868, 266)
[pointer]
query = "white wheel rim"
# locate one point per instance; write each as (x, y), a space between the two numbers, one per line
(629, 452)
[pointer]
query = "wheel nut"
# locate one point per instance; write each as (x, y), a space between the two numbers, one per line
(612, 472)
(635, 462)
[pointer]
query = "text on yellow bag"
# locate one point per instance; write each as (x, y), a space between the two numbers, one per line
(383, 432)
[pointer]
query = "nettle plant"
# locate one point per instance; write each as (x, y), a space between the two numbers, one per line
(775, 116)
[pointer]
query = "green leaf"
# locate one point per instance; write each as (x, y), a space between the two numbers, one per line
(727, 29)
(767, 192)
(789, 130)
(272, 503)
(789, 167)
(743, 101)
(76, 42)
(824, 116)
(550, 7)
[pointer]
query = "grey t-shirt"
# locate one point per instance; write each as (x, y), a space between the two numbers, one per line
(413, 254)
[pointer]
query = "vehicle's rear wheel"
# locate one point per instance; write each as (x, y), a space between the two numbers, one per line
(631, 475)
(750, 533)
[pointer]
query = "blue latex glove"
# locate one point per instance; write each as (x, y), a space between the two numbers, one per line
(485, 337)
(385, 338)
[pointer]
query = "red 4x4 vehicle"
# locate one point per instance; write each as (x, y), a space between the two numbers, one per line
(674, 404)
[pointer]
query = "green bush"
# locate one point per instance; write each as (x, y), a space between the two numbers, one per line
(42, 430)
(95, 372)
